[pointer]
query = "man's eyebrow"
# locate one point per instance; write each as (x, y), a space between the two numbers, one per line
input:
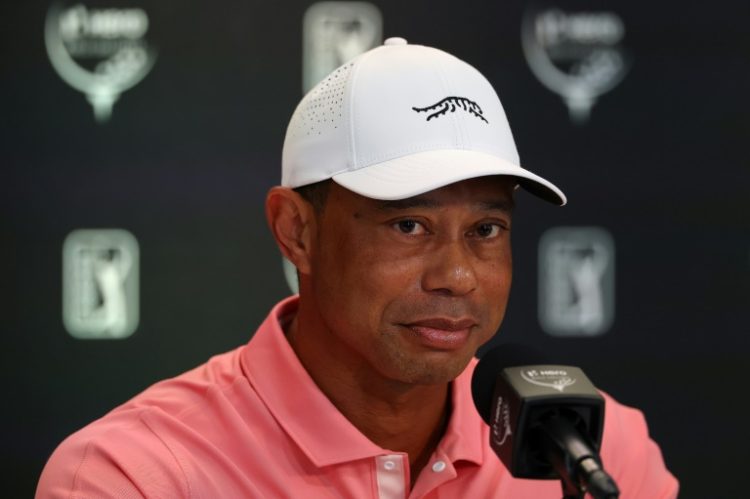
(426, 202)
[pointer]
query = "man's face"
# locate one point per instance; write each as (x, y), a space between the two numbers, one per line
(408, 290)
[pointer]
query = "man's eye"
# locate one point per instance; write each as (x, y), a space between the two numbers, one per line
(487, 231)
(409, 226)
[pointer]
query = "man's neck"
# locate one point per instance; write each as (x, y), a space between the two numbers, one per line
(412, 422)
(395, 416)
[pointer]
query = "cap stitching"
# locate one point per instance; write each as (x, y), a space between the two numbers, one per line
(443, 77)
(352, 161)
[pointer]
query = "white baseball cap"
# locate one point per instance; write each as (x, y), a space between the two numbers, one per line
(400, 120)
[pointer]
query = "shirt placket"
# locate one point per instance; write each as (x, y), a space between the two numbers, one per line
(392, 476)
(439, 470)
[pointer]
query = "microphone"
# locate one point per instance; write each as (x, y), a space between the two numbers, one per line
(546, 420)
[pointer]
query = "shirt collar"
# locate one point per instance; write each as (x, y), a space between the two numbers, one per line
(311, 419)
(467, 434)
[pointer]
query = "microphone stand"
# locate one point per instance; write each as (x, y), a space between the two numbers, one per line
(575, 460)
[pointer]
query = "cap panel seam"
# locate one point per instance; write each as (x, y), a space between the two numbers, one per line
(444, 83)
(352, 161)
(462, 120)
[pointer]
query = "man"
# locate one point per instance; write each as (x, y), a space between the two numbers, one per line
(396, 208)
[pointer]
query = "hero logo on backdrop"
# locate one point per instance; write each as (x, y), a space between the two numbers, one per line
(578, 55)
(576, 281)
(100, 283)
(101, 52)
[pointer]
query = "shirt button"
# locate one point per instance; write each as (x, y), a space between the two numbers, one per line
(389, 465)
(438, 466)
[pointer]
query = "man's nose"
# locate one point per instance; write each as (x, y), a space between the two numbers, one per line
(450, 270)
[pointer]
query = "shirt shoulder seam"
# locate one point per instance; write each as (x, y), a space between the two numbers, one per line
(74, 485)
(169, 449)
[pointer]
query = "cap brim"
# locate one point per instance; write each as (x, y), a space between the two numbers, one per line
(421, 172)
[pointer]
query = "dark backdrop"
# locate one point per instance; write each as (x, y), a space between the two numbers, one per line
(188, 154)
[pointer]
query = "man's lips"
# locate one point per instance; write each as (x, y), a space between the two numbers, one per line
(445, 324)
(442, 333)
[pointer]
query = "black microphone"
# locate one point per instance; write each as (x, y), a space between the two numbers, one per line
(546, 420)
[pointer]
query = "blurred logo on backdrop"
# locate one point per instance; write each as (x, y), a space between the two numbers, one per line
(576, 281)
(335, 32)
(100, 283)
(579, 55)
(99, 51)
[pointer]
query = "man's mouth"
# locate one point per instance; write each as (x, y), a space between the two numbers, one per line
(442, 333)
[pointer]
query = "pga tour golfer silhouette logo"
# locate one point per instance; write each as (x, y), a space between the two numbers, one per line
(100, 283)
(334, 33)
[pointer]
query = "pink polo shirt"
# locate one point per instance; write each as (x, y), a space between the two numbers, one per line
(251, 423)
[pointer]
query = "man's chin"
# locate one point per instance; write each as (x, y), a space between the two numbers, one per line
(433, 371)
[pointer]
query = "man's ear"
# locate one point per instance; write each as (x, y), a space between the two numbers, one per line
(292, 223)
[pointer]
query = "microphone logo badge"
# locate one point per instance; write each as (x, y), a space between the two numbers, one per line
(501, 422)
(334, 33)
(557, 379)
(100, 284)
(452, 104)
(100, 52)
(577, 55)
